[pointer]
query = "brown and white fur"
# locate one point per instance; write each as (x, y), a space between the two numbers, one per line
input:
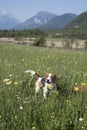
(43, 82)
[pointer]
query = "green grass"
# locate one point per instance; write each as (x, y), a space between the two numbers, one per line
(21, 110)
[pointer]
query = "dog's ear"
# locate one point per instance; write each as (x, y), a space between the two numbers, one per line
(46, 75)
(55, 78)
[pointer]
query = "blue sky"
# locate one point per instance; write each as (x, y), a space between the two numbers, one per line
(24, 9)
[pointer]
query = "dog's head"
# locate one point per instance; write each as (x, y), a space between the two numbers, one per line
(51, 78)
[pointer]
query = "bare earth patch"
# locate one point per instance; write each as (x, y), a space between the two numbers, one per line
(58, 43)
(12, 40)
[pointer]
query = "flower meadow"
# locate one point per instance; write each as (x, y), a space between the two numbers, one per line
(66, 109)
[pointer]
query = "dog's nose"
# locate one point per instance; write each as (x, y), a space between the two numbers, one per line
(48, 81)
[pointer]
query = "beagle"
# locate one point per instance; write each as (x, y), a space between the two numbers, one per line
(47, 83)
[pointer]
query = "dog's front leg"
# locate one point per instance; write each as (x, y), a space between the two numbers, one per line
(45, 92)
(37, 89)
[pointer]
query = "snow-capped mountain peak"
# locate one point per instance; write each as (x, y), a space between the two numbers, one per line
(37, 20)
(7, 21)
(3, 12)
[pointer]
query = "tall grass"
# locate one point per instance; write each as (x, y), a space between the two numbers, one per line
(21, 110)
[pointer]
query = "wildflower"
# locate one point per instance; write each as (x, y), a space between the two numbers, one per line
(10, 75)
(76, 84)
(15, 117)
(21, 107)
(15, 83)
(5, 80)
(22, 60)
(82, 127)
(52, 115)
(57, 92)
(83, 84)
(9, 82)
(26, 64)
(80, 119)
(76, 88)
(0, 116)
(67, 101)
(33, 128)
(9, 65)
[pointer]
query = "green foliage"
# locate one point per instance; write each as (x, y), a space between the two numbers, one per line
(41, 42)
(21, 33)
(21, 110)
(67, 43)
(18, 38)
(86, 44)
(79, 22)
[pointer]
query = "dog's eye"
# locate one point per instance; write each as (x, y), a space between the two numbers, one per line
(51, 77)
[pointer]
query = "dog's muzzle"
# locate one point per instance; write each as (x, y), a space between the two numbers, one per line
(48, 81)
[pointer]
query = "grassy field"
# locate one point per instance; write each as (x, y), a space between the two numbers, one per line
(21, 110)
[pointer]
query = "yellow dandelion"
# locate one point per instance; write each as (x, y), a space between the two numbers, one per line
(76, 89)
(9, 82)
(83, 84)
(67, 101)
(57, 92)
(0, 116)
(52, 113)
(52, 116)
(16, 83)
(9, 65)
(15, 64)
(33, 128)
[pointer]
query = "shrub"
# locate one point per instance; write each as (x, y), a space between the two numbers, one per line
(67, 44)
(86, 44)
(18, 38)
(40, 42)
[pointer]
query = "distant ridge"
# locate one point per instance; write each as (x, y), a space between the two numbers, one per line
(79, 22)
(59, 22)
(44, 20)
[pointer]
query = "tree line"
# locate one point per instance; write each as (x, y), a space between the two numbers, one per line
(21, 33)
(74, 33)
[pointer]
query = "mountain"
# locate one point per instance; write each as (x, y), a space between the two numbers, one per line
(79, 22)
(36, 21)
(7, 21)
(59, 22)
(42, 20)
